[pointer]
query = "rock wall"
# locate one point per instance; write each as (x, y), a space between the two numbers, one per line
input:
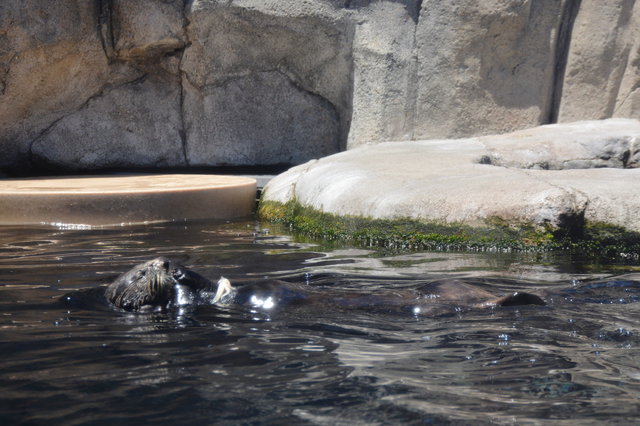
(81, 92)
(263, 86)
(602, 76)
(96, 84)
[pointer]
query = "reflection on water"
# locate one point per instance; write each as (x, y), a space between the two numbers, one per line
(574, 361)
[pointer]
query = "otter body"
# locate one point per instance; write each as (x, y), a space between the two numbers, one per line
(430, 299)
(161, 283)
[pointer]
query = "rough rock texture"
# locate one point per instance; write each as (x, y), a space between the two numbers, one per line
(300, 125)
(145, 29)
(51, 62)
(485, 67)
(263, 88)
(127, 128)
(602, 76)
(580, 145)
(384, 71)
(244, 82)
(72, 100)
(476, 181)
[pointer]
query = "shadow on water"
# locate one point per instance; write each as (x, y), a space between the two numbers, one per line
(572, 361)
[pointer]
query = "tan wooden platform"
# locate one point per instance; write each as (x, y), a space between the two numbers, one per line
(125, 199)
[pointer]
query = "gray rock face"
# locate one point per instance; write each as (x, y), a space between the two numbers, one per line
(602, 77)
(146, 29)
(384, 68)
(123, 120)
(263, 88)
(51, 62)
(452, 181)
(229, 126)
(238, 82)
(70, 102)
(484, 66)
(580, 145)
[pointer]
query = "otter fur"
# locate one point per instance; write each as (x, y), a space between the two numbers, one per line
(153, 284)
(162, 283)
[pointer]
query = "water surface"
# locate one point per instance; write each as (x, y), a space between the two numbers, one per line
(572, 362)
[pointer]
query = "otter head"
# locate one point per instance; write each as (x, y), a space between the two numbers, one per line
(150, 285)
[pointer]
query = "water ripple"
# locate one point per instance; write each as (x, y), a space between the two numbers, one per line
(575, 361)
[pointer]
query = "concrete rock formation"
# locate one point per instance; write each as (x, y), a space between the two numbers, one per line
(553, 177)
(602, 77)
(114, 83)
(263, 86)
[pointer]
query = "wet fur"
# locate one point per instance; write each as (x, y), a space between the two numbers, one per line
(150, 284)
(430, 299)
(153, 284)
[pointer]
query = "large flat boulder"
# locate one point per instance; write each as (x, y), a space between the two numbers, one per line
(550, 177)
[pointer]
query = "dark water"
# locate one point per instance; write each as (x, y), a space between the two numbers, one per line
(573, 362)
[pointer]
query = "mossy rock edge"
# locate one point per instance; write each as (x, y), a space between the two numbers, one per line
(599, 240)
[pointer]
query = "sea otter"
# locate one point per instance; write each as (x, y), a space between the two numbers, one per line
(161, 283)
(158, 283)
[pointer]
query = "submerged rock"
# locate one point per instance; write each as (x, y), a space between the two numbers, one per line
(551, 178)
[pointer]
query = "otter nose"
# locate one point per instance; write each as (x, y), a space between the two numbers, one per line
(162, 263)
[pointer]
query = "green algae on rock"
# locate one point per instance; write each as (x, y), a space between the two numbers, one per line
(567, 187)
(403, 233)
(598, 241)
